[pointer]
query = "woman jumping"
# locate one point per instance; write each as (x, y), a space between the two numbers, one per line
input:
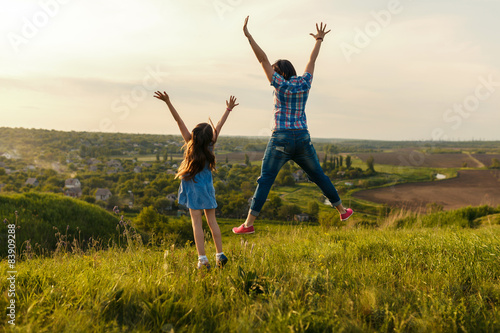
(290, 139)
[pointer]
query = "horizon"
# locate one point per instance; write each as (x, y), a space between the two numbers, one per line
(255, 137)
(389, 70)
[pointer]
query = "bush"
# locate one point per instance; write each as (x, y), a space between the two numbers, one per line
(330, 219)
(176, 230)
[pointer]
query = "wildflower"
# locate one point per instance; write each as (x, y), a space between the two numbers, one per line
(116, 210)
(16, 213)
(67, 228)
(5, 221)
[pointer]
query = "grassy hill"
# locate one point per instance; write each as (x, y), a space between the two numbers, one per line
(281, 279)
(40, 216)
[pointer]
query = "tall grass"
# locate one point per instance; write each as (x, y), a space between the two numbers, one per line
(282, 279)
(467, 217)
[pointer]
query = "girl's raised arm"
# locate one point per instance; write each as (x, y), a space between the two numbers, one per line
(259, 53)
(320, 34)
(184, 131)
(229, 107)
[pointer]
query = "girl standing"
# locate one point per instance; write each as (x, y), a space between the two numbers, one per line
(197, 190)
(290, 139)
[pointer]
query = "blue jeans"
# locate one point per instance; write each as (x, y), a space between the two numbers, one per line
(292, 145)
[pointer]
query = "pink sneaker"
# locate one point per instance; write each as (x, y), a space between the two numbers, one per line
(346, 215)
(242, 230)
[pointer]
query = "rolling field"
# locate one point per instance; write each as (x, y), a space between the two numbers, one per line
(409, 157)
(486, 158)
(471, 187)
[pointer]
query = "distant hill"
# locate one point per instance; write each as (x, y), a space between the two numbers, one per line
(40, 213)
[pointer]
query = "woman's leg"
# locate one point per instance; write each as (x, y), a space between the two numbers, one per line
(214, 228)
(197, 222)
(275, 157)
(307, 158)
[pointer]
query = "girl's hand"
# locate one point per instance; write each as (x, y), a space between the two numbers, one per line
(320, 32)
(163, 96)
(232, 103)
(245, 29)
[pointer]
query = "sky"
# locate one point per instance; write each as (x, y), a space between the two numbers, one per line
(388, 70)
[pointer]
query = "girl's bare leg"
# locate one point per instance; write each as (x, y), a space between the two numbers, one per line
(214, 228)
(199, 239)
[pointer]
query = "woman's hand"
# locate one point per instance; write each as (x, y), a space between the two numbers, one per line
(163, 96)
(232, 103)
(320, 32)
(245, 29)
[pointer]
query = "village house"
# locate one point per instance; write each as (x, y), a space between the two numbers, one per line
(172, 196)
(301, 217)
(73, 192)
(298, 175)
(33, 182)
(72, 183)
(114, 164)
(103, 194)
(93, 168)
(137, 169)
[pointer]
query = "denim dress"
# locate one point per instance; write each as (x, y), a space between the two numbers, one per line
(199, 192)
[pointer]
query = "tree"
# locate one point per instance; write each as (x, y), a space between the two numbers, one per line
(157, 157)
(165, 156)
(148, 218)
(313, 209)
(325, 159)
(332, 149)
(247, 160)
(288, 211)
(370, 164)
(495, 163)
(348, 161)
(341, 158)
(227, 160)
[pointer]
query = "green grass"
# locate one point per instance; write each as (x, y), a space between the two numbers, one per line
(281, 279)
(43, 219)
(407, 173)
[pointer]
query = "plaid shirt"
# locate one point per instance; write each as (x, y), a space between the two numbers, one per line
(290, 99)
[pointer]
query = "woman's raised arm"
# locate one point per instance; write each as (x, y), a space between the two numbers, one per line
(259, 53)
(319, 36)
(184, 131)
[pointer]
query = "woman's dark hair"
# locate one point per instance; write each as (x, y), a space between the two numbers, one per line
(284, 68)
(197, 153)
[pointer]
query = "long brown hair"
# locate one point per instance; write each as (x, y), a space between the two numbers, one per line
(197, 152)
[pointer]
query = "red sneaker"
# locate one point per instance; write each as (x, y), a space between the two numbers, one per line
(242, 230)
(346, 215)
